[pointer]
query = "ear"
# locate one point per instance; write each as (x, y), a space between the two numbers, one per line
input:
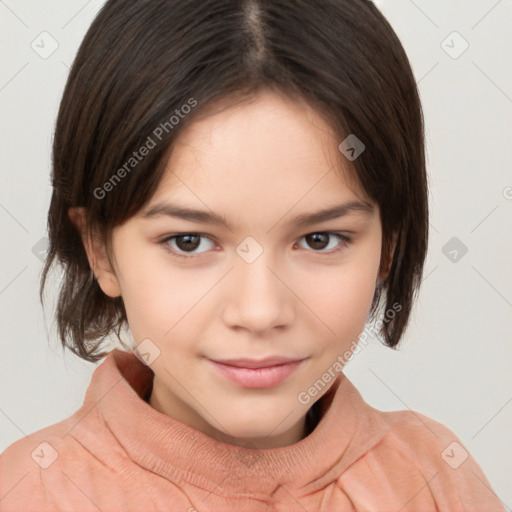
(387, 260)
(96, 254)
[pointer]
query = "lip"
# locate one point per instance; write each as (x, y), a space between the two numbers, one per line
(257, 363)
(251, 373)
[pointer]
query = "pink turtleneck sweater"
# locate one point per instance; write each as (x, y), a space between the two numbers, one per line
(117, 453)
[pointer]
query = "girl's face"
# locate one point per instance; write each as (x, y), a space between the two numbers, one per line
(263, 282)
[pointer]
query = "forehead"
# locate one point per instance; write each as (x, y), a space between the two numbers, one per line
(267, 140)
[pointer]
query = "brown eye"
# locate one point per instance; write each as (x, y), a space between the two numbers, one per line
(326, 240)
(317, 240)
(187, 242)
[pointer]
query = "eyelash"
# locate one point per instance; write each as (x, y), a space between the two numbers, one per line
(345, 241)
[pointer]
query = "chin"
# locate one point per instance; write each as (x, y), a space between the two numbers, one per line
(253, 429)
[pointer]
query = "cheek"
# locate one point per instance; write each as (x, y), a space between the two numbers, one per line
(152, 295)
(345, 299)
(161, 299)
(154, 308)
(341, 295)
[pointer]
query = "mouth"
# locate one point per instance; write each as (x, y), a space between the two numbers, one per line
(251, 373)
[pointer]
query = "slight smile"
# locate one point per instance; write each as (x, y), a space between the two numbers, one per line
(251, 373)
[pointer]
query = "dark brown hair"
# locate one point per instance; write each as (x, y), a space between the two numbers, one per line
(141, 61)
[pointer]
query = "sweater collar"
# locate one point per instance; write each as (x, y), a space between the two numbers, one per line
(347, 429)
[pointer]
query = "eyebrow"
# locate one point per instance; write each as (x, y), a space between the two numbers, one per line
(302, 220)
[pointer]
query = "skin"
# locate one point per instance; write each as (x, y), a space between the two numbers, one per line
(259, 164)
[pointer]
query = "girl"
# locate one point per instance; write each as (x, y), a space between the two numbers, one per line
(282, 142)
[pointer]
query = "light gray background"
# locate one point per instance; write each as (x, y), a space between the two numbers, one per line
(455, 361)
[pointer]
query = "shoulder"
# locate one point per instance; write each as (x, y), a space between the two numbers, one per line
(35, 466)
(35, 448)
(427, 441)
(418, 448)
(418, 432)
(28, 455)
(413, 438)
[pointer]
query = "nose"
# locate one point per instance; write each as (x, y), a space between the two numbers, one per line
(259, 299)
